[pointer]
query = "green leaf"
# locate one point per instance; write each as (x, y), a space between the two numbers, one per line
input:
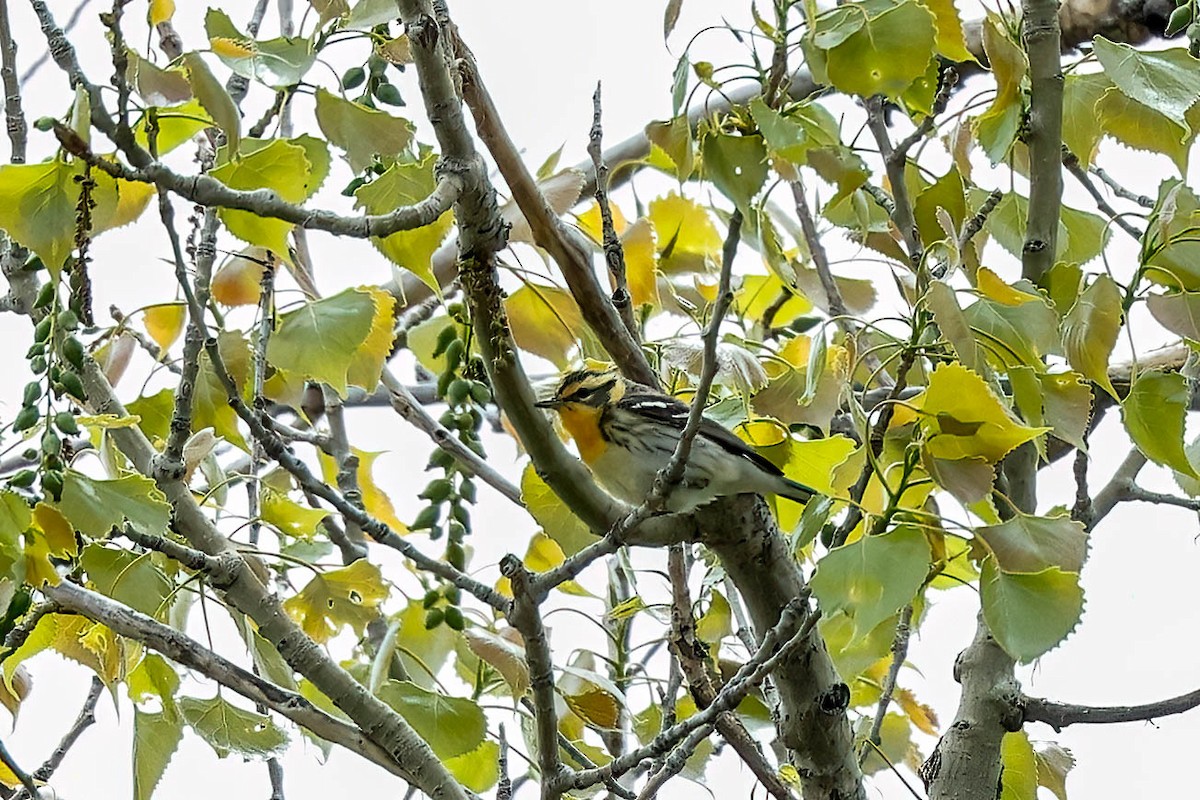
(216, 101)
(1019, 773)
(997, 127)
(1030, 613)
(423, 650)
(1031, 544)
(338, 597)
(791, 137)
(369, 13)
(674, 138)
(210, 404)
(1061, 400)
(546, 321)
(157, 86)
(717, 621)
(278, 63)
(1090, 328)
(95, 506)
(229, 729)
(1082, 128)
(963, 417)
(287, 516)
(322, 339)
(156, 736)
(1172, 249)
(948, 194)
(952, 322)
(130, 578)
(451, 725)
(478, 770)
(280, 166)
(153, 677)
(362, 132)
(37, 208)
(1164, 80)
(406, 184)
(871, 579)
(15, 519)
(1081, 236)
(886, 54)
(1154, 414)
(176, 126)
(1178, 312)
(1014, 335)
(1143, 128)
(1053, 763)
(737, 165)
(552, 514)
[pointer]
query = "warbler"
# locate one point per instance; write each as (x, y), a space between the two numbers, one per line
(627, 432)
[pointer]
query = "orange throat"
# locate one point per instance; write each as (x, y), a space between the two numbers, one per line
(583, 423)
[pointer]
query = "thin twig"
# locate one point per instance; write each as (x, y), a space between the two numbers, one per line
(85, 718)
(40, 61)
(1120, 191)
(899, 654)
(1060, 715)
(24, 777)
(614, 253)
(14, 115)
(1071, 162)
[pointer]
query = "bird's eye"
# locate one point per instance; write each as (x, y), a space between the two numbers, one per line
(583, 394)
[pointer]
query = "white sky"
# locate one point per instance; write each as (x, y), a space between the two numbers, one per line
(541, 60)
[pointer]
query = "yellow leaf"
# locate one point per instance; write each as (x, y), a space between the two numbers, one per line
(164, 323)
(38, 569)
(347, 596)
(545, 321)
(596, 707)
(687, 238)
(591, 223)
(22, 685)
(641, 263)
(504, 655)
(377, 504)
(366, 365)
(965, 419)
(921, 715)
(59, 535)
(994, 287)
(160, 11)
(545, 554)
(231, 48)
(238, 281)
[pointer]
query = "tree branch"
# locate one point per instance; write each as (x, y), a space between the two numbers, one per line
(1043, 43)
(1060, 715)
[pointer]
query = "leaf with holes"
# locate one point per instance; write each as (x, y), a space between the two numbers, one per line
(349, 596)
(229, 729)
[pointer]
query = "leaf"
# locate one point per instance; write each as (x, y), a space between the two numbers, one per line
(216, 101)
(280, 166)
(325, 339)
(997, 127)
(210, 405)
(1053, 763)
(229, 729)
(405, 184)
(717, 622)
(951, 40)
(1082, 126)
(807, 125)
(1015, 335)
(60, 536)
(288, 516)
(238, 281)
(1031, 544)
(37, 208)
(560, 191)
(552, 514)
(278, 63)
(160, 11)
(423, 650)
(360, 131)
(156, 737)
(1081, 236)
(164, 323)
(965, 419)
(1061, 400)
(478, 770)
(687, 238)
(546, 321)
(336, 598)
(15, 519)
(1030, 613)
(77, 638)
(641, 263)
(968, 479)
(1163, 80)
(757, 293)
(1090, 328)
(886, 54)
(951, 321)
(130, 578)
(503, 655)
(674, 139)
(670, 17)
(1143, 128)
(1154, 412)
(895, 742)
(451, 725)
(736, 165)
(374, 499)
(369, 13)
(1178, 312)
(95, 507)
(870, 579)
(922, 716)
(153, 677)
(157, 86)
(1018, 774)
(545, 554)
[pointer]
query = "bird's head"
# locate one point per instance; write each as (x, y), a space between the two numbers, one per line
(585, 389)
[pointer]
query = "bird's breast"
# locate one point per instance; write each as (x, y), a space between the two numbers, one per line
(583, 425)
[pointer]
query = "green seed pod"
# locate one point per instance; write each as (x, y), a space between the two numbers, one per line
(388, 94)
(440, 459)
(34, 264)
(353, 78)
(72, 350)
(452, 593)
(51, 444)
(65, 422)
(27, 417)
(456, 555)
(42, 331)
(376, 64)
(72, 385)
(438, 491)
(456, 530)
(23, 478)
(448, 419)
(1180, 19)
(433, 618)
(444, 338)
(36, 350)
(458, 392)
(454, 618)
(68, 320)
(480, 392)
(466, 490)
(428, 517)
(461, 514)
(431, 598)
(52, 483)
(45, 295)
(33, 393)
(353, 186)
(454, 354)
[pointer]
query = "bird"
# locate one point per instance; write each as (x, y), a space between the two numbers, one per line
(626, 433)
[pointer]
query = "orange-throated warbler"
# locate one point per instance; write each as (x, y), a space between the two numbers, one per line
(627, 432)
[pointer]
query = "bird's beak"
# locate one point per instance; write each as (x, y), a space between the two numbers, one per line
(551, 403)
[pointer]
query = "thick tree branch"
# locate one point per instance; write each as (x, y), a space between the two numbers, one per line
(1043, 42)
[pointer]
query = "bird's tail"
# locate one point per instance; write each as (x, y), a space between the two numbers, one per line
(795, 491)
